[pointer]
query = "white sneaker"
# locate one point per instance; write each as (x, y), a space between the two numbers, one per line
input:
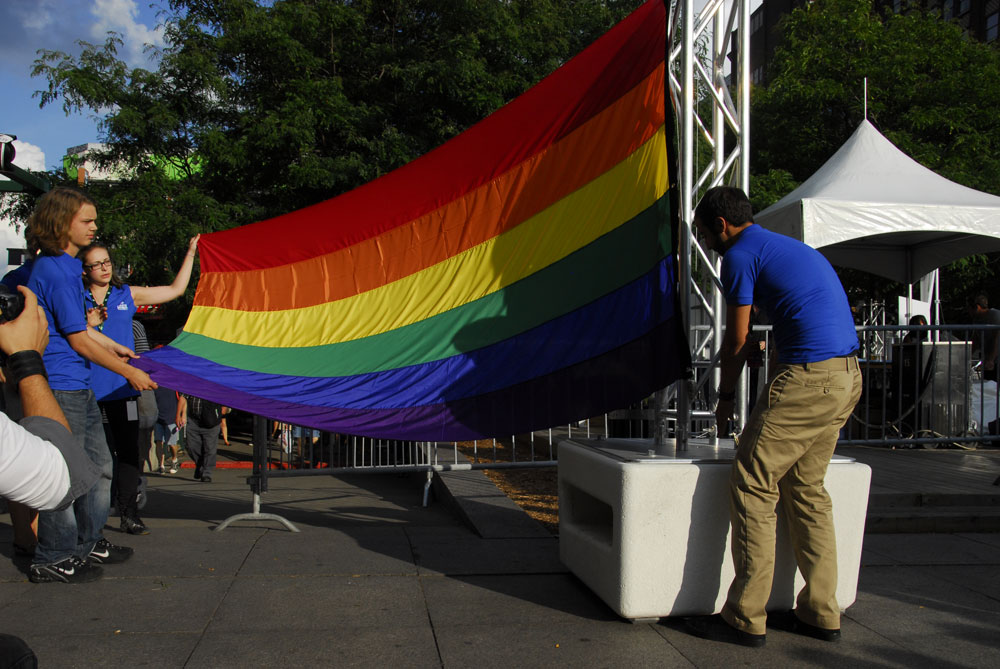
(173, 466)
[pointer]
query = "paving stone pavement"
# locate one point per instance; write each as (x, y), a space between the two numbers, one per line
(374, 579)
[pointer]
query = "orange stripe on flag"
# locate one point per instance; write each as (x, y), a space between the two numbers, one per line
(482, 214)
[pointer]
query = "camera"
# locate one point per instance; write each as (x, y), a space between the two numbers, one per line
(11, 304)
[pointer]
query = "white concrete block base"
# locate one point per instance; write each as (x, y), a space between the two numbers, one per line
(650, 534)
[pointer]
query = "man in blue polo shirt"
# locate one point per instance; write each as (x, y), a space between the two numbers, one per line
(790, 436)
(70, 540)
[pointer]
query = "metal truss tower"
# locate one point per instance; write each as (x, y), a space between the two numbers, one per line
(712, 101)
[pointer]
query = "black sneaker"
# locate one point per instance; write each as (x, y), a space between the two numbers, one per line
(70, 570)
(105, 552)
(133, 525)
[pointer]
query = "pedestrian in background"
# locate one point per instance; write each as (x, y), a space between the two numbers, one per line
(201, 420)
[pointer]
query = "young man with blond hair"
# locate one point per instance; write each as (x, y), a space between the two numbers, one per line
(70, 540)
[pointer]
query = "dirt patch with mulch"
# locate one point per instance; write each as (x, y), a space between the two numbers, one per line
(535, 489)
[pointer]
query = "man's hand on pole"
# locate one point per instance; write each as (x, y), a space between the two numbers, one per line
(723, 416)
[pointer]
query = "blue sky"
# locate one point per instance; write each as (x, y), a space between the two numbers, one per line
(29, 25)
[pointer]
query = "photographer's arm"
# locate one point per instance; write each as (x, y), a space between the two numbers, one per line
(38, 400)
(29, 333)
(34, 470)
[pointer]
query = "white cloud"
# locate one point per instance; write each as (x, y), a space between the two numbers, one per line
(29, 25)
(28, 156)
(31, 15)
(39, 19)
(122, 16)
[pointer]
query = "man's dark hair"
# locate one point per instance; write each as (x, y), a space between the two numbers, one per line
(725, 202)
(979, 300)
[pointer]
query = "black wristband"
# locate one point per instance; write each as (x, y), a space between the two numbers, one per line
(726, 397)
(23, 364)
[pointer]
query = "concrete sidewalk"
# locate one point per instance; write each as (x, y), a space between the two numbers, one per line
(374, 579)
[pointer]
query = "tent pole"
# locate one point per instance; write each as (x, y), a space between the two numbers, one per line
(909, 304)
(937, 303)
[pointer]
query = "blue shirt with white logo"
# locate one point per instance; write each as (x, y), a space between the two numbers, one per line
(106, 384)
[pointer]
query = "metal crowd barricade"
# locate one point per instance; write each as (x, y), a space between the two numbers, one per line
(284, 452)
(924, 386)
(929, 388)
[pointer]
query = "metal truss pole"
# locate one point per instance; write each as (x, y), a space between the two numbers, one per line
(713, 103)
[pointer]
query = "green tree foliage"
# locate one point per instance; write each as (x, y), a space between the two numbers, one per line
(932, 91)
(768, 188)
(268, 107)
(294, 102)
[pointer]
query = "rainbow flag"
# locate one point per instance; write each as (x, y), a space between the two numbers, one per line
(520, 276)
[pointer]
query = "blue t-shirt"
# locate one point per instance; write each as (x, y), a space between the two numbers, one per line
(18, 276)
(798, 290)
(106, 384)
(58, 283)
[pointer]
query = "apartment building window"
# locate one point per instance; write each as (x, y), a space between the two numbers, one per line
(948, 10)
(991, 26)
(756, 21)
(963, 7)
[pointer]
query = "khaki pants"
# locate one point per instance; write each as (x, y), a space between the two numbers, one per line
(784, 453)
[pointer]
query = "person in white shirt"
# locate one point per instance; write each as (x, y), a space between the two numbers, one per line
(41, 464)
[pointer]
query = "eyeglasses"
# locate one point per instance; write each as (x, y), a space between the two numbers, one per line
(102, 264)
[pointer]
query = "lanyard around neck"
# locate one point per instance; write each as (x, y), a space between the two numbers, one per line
(93, 300)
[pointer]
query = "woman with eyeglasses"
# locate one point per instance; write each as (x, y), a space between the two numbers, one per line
(111, 304)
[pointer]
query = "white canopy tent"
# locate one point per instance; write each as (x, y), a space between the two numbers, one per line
(871, 207)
